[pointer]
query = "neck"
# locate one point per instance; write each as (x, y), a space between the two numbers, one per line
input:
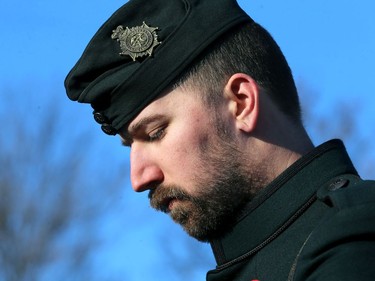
(279, 142)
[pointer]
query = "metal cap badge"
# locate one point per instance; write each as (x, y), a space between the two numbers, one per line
(137, 41)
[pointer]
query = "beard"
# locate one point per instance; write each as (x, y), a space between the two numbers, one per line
(223, 186)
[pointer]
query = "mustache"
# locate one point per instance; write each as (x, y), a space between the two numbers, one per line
(162, 195)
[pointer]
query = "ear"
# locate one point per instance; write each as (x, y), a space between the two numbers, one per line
(242, 93)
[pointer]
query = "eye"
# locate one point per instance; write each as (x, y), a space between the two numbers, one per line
(156, 134)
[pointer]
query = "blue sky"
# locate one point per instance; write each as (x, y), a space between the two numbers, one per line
(329, 45)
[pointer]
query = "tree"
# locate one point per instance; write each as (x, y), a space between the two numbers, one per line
(50, 200)
(350, 120)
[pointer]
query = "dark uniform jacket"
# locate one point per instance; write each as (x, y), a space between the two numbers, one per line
(316, 221)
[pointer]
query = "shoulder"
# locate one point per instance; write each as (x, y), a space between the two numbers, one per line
(347, 191)
(342, 245)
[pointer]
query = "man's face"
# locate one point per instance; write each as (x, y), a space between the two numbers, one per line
(197, 176)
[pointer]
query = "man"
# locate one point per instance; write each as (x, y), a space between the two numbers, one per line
(206, 100)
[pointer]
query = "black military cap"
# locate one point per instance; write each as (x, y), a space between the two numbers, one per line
(143, 48)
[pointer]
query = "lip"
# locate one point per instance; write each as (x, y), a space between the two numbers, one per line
(167, 204)
(171, 203)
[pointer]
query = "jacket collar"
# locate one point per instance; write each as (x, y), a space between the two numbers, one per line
(281, 202)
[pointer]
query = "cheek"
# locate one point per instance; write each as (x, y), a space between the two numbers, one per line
(184, 153)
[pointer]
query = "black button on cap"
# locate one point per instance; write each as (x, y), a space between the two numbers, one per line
(337, 184)
(109, 130)
(100, 118)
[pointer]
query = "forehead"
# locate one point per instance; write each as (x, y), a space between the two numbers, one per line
(158, 106)
(171, 102)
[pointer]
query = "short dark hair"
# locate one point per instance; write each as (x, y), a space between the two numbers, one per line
(250, 49)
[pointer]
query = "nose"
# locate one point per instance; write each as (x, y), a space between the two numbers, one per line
(144, 171)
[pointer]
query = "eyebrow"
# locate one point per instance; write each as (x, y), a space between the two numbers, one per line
(134, 128)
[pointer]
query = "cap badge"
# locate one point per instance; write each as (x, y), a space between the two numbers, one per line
(137, 41)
